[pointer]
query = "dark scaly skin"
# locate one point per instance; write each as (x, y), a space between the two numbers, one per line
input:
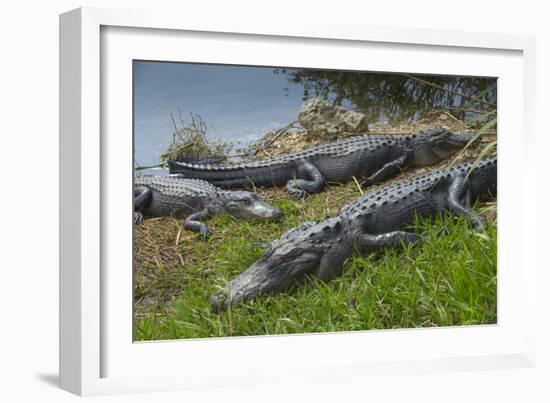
(370, 159)
(378, 218)
(158, 196)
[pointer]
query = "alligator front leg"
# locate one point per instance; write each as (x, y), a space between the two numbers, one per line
(386, 172)
(193, 222)
(459, 201)
(332, 262)
(138, 217)
(368, 242)
(309, 180)
(142, 197)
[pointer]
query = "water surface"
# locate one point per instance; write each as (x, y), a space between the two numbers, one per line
(239, 104)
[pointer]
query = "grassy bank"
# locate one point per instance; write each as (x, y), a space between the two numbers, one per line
(448, 280)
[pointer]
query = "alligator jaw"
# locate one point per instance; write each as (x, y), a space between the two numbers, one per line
(459, 140)
(277, 270)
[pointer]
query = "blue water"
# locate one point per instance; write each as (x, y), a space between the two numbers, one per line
(239, 104)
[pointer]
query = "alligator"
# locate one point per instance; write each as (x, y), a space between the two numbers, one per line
(377, 219)
(369, 159)
(158, 196)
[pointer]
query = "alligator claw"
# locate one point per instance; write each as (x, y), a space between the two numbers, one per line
(219, 302)
(422, 238)
(478, 223)
(296, 193)
(299, 195)
(204, 231)
(138, 217)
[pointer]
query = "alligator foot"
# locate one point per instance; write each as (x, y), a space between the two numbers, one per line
(309, 180)
(199, 227)
(295, 191)
(459, 200)
(386, 172)
(192, 222)
(204, 231)
(478, 222)
(138, 217)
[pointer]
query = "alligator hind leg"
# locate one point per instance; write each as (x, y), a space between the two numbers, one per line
(386, 172)
(459, 201)
(194, 224)
(309, 180)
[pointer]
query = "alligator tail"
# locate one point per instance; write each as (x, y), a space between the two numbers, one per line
(243, 175)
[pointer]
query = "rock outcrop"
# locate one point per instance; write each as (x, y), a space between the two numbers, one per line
(320, 118)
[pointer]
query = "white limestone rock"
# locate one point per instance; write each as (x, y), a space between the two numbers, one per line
(320, 118)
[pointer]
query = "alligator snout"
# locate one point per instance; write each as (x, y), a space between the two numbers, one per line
(246, 286)
(301, 252)
(277, 270)
(459, 140)
(435, 145)
(276, 215)
(259, 210)
(268, 212)
(249, 206)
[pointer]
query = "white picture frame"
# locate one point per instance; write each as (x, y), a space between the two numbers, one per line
(96, 354)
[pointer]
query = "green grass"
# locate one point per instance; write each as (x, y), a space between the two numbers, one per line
(448, 280)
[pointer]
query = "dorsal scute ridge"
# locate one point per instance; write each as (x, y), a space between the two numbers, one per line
(341, 147)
